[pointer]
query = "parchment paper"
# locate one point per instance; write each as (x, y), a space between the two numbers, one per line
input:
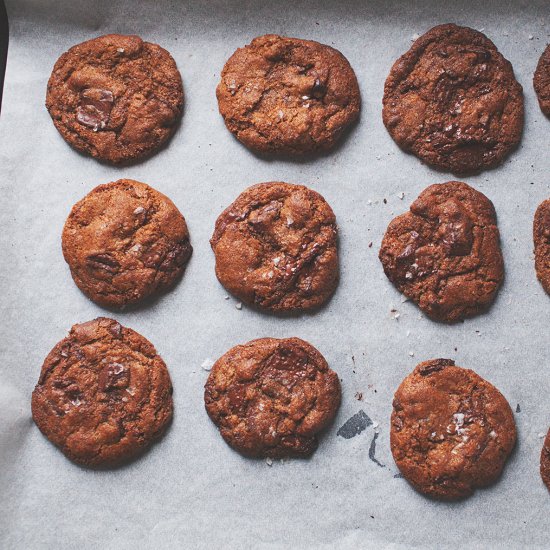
(192, 490)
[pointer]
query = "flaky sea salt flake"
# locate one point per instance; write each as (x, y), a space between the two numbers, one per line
(207, 364)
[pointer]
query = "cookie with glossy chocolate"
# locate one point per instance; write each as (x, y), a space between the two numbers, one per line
(545, 461)
(104, 395)
(541, 239)
(271, 397)
(115, 97)
(453, 101)
(276, 247)
(541, 81)
(444, 254)
(124, 242)
(287, 95)
(451, 430)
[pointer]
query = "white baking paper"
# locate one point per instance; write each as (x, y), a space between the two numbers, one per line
(191, 490)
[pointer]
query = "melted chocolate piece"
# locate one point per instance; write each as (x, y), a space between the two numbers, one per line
(95, 108)
(104, 262)
(456, 230)
(429, 367)
(114, 376)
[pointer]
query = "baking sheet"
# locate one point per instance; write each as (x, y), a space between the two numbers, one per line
(192, 490)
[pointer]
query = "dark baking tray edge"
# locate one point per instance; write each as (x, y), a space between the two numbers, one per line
(4, 39)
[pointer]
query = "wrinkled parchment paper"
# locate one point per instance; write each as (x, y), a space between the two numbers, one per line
(192, 490)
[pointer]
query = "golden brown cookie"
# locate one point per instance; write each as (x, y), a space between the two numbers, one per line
(451, 431)
(115, 97)
(545, 461)
(541, 239)
(270, 397)
(103, 394)
(286, 95)
(453, 101)
(276, 247)
(125, 241)
(541, 81)
(445, 253)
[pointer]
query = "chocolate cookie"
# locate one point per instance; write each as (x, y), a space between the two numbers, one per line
(276, 247)
(115, 97)
(541, 238)
(286, 95)
(541, 81)
(103, 394)
(545, 461)
(445, 253)
(271, 397)
(451, 431)
(453, 101)
(125, 241)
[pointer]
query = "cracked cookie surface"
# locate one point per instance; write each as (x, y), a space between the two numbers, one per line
(453, 101)
(115, 97)
(545, 461)
(124, 242)
(276, 247)
(286, 95)
(271, 397)
(103, 394)
(541, 81)
(451, 430)
(445, 253)
(541, 239)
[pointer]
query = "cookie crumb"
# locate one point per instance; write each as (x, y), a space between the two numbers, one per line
(269, 462)
(239, 305)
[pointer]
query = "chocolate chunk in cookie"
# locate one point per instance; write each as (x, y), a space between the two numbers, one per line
(451, 431)
(125, 241)
(545, 461)
(276, 247)
(270, 397)
(541, 81)
(103, 394)
(445, 253)
(289, 96)
(453, 101)
(115, 97)
(541, 238)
